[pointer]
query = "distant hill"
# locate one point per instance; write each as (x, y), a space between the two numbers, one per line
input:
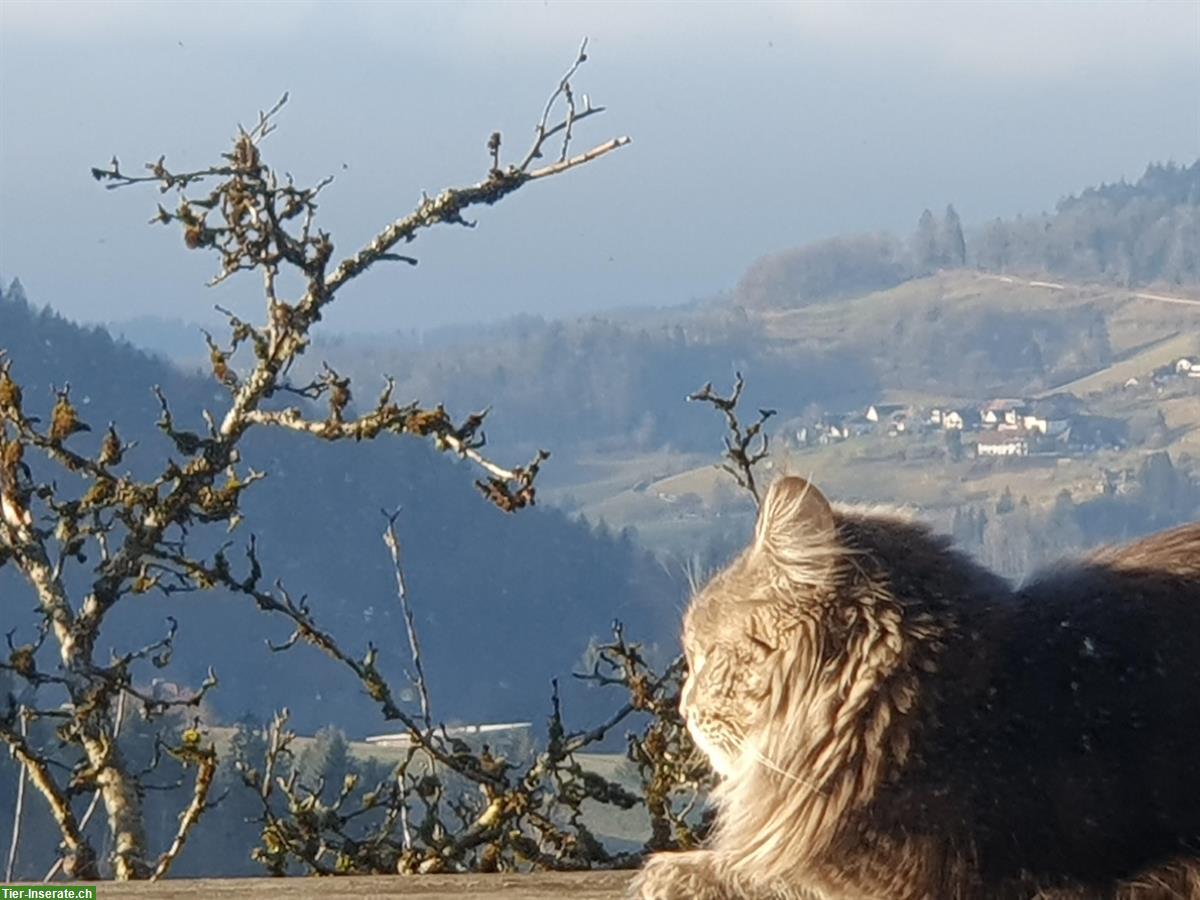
(177, 340)
(603, 381)
(962, 333)
(1142, 233)
(958, 338)
(608, 385)
(504, 603)
(843, 266)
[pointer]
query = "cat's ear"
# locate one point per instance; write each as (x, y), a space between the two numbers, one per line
(796, 526)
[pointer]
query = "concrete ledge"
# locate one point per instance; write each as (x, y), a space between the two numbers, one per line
(540, 886)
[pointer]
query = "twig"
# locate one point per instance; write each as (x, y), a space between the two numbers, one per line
(543, 130)
(393, 544)
(739, 442)
(19, 809)
(565, 164)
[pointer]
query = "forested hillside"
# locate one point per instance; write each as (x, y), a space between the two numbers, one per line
(504, 602)
(1128, 234)
(1122, 233)
(600, 384)
(599, 381)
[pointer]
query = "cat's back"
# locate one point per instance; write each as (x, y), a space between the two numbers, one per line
(1095, 712)
(1131, 610)
(1108, 650)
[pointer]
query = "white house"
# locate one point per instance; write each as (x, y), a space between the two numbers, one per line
(960, 419)
(1035, 423)
(830, 429)
(894, 414)
(1003, 444)
(1000, 413)
(496, 730)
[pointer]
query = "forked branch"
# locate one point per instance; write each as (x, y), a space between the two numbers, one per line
(740, 449)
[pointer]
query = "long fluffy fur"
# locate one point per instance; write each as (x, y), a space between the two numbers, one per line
(894, 722)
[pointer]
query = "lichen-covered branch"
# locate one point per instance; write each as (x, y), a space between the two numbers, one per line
(205, 761)
(510, 489)
(80, 861)
(93, 804)
(134, 532)
(477, 811)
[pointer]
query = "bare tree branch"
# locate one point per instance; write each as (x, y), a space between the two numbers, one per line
(205, 761)
(392, 542)
(739, 449)
(18, 807)
(119, 719)
(81, 858)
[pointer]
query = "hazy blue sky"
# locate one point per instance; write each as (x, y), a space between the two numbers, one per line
(755, 127)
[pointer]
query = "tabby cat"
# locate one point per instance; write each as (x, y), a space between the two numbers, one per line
(890, 721)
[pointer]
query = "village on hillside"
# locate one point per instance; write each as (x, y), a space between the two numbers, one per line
(1053, 425)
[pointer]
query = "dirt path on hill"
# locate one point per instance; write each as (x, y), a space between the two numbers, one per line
(1062, 286)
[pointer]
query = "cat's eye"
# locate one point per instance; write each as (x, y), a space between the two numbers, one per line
(761, 645)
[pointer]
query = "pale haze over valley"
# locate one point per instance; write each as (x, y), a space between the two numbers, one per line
(755, 127)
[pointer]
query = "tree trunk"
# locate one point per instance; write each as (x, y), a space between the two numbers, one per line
(123, 803)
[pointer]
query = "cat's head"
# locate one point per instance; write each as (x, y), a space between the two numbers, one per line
(740, 624)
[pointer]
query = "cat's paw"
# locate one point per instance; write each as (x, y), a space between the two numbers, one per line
(678, 876)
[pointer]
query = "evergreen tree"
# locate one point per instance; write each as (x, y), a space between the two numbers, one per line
(926, 255)
(1063, 510)
(1123, 233)
(981, 522)
(1167, 493)
(1005, 504)
(994, 249)
(961, 526)
(1062, 526)
(952, 443)
(953, 249)
(326, 760)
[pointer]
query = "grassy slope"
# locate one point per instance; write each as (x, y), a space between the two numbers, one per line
(1143, 334)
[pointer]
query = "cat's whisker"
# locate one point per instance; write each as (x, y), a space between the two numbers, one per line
(765, 761)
